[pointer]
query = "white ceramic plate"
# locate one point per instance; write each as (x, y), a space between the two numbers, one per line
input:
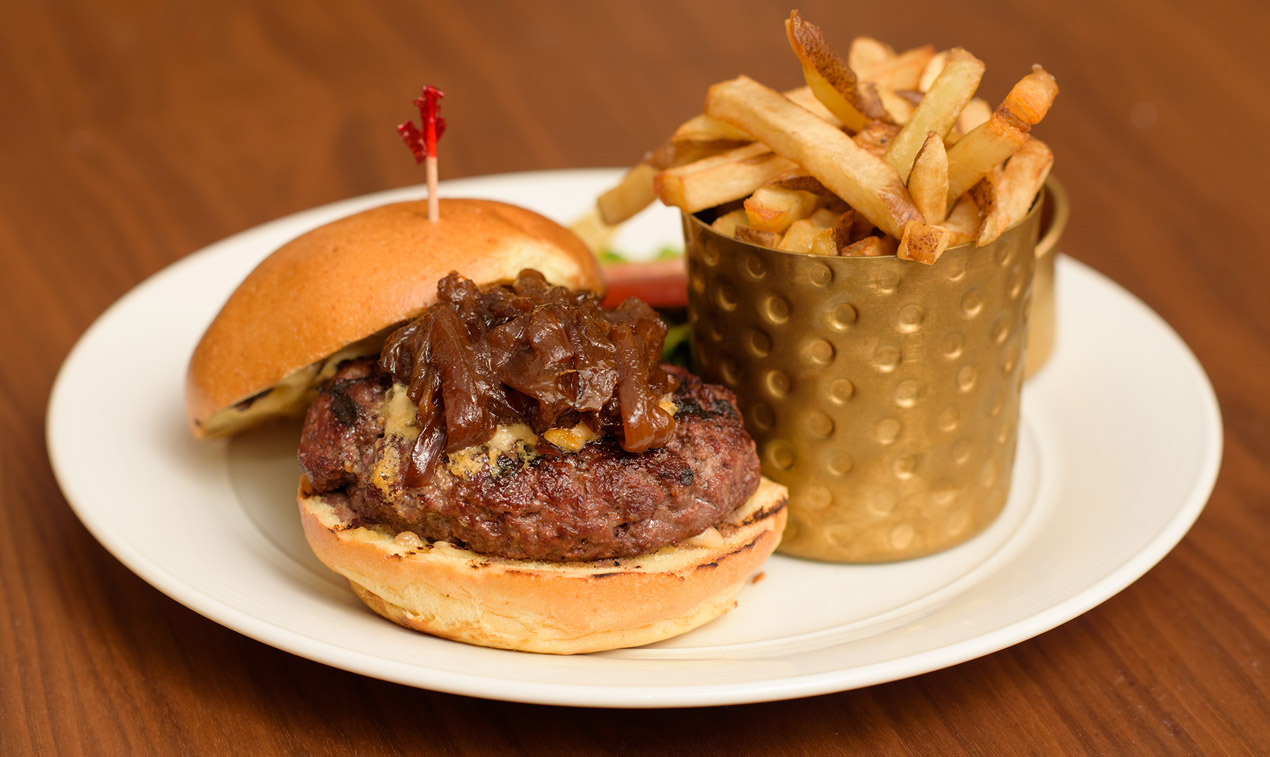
(1119, 449)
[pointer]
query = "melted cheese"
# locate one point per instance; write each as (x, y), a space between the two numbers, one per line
(401, 421)
(401, 416)
(570, 439)
(387, 470)
(516, 442)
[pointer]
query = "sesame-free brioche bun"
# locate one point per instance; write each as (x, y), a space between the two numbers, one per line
(345, 284)
(536, 606)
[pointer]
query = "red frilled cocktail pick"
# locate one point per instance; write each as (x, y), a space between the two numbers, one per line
(423, 142)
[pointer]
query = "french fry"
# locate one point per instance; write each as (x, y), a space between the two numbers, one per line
(830, 78)
(922, 242)
(963, 221)
(757, 236)
(976, 112)
(835, 204)
(928, 181)
(903, 71)
(702, 128)
(1017, 186)
(773, 209)
(635, 191)
(799, 236)
(671, 154)
(984, 148)
(725, 225)
(866, 183)
(832, 240)
(875, 137)
(939, 110)
(911, 96)
(825, 243)
(984, 196)
(697, 138)
(867, 247)
(702, 131)
(702, 136)
(933, 67)
(1031, 98)
(826, 217)
(806, 98)
(843, 228)
(984, 192)
(824, 233)
(721, 178)
(802, 232)
(799, 180)
(898, 107)
(867, 53)
(632, 194)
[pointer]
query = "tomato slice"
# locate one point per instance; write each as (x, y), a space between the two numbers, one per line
(660, 283)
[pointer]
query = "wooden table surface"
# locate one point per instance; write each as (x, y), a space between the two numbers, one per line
(134, 133)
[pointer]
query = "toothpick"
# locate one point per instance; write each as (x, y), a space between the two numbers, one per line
(423, 144)
(434, 203)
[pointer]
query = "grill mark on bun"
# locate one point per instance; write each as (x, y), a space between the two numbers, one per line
(763, 514)
(739, 550)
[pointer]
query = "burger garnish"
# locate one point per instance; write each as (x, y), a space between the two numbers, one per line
(524, 421)
(529, 352)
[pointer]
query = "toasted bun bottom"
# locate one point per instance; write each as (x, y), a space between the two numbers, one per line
(536, 606)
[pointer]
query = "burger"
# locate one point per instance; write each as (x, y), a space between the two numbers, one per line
(488, 454)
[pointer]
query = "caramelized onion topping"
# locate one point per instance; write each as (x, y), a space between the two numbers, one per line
(528, 352)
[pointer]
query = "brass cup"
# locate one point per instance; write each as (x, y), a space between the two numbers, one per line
(1043, 322)
(884, 393)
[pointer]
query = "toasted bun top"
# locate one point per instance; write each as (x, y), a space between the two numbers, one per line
(350, 280)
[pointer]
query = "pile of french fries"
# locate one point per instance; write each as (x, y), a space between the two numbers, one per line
(884, 153)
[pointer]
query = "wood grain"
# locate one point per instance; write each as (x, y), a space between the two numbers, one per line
(135, 132)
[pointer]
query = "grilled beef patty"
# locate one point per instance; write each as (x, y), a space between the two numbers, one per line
(600, 502)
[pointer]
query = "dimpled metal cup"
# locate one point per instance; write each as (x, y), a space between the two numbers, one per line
(1042, 324)
(884, 393)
